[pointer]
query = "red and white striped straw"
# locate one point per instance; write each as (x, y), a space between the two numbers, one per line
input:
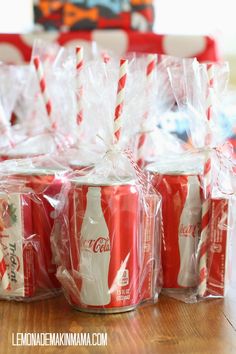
(79, 67)
(120, 98)
(210, 75)
(209, 112)
(140, 149)
(150, 69)
(151, 65)
(203, 248)
(4, 277)
(43, 88)
(206, 217)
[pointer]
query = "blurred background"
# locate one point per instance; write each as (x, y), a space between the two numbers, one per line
(186, 28)
(201, 17)
(184, 17)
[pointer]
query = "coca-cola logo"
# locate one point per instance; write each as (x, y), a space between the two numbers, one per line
(100, 245)
(189, 230)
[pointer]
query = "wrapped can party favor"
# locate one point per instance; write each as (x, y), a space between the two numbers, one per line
(109, 217)
(181, 211)
(29, 198)
(17, 246)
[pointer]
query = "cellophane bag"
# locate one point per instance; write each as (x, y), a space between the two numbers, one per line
(29, 191)
(152, 140)
(108, 247)
(38, 131)
(90, 132)
(197, 202)
(12, 81)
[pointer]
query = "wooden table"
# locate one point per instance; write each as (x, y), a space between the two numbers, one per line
(167, 327)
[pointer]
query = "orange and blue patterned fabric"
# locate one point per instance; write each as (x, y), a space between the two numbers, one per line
(91, 14)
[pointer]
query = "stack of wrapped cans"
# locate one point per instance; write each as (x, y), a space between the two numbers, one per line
(83, 214)
(197, 197)
(97, 197)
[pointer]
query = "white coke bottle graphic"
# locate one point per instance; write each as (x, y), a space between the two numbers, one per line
(189, 224)
(94, 252)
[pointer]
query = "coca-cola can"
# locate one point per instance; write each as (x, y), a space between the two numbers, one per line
(16, 243)
(219, 252)
(45, 185)
(105, 245)
(150, 248)
(181, 211)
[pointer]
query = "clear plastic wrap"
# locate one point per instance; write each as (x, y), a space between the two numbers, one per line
(183, 247)
(46, 105)
(197, 189)
(108, 249)
(104, 219)
(152, 141)
(107, 230)
(29, 193)
(12, 80)
(99, 83)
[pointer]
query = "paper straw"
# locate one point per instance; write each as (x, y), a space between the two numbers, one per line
(206, 218)
(150, 69)
(79, 67)
(210, 75)
(151, 64)
(203, 248)
(120, 98)
(4, 278)
(79, 58)
(140, 153)
(209, 106)
(43, 89)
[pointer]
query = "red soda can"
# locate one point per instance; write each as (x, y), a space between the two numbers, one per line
(150, 248)
(105, 245)
(181, 211)
(16, 242)
(219, 252)
(46, 187)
